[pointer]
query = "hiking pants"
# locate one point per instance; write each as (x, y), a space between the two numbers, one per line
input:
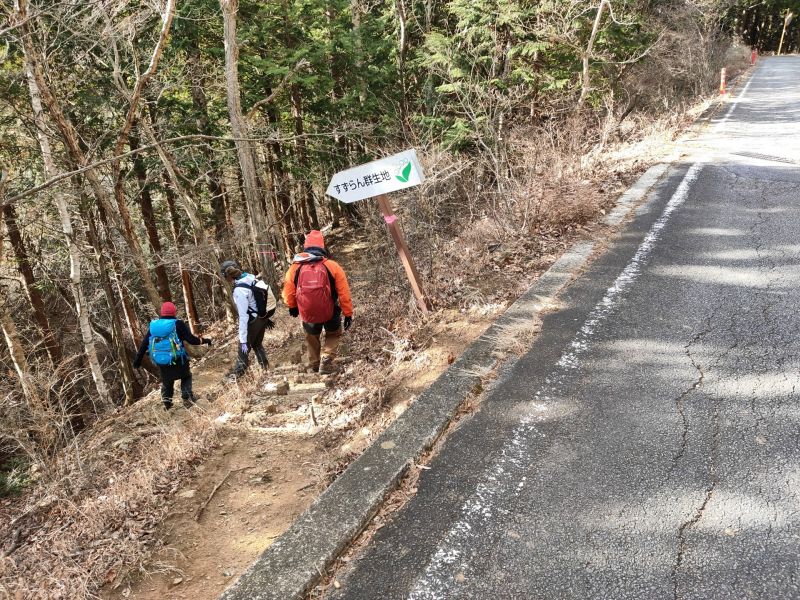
(255, 342)
(333, 335)
(169, 375)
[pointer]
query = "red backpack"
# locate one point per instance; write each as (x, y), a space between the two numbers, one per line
(314, 294)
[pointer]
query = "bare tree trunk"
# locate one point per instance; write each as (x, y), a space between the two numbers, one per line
(306, 197)
(125, 371)
(355, 11)
(81, 305)
(588, 54)
(186, 281)
(402, 50)
(209, 248)
(186, 202)
(124, 137)
(127, 306)
(289, 219)
(17, 353)
(71, 141)
(11, 335)
(34, 295)
(244, 148)
(216, 188)
(149, 218)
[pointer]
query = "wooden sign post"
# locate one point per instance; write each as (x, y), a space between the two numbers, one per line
(375, 180)
(405, 256)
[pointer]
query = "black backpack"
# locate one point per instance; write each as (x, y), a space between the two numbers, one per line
(260, 296)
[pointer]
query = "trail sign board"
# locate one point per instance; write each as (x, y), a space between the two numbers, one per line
(378, 177)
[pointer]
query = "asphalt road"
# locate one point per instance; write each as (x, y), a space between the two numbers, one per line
(648, 446)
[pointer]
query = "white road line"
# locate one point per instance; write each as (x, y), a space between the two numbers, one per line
(451, 563)
(728, 114)
(455, 554)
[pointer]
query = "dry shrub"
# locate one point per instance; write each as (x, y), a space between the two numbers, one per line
(93, 514)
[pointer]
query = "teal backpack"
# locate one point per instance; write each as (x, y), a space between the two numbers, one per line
(165, 347)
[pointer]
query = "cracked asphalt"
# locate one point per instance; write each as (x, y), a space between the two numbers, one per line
(648, 445)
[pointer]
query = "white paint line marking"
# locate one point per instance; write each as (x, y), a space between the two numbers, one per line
(728, 114)
(438, 581)
(457, 552)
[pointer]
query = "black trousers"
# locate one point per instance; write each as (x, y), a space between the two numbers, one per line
(255, 342)
(169, 375)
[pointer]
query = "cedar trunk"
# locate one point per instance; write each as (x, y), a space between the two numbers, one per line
(149, 218)
(81, 304)
(34, 295)
(244, 148)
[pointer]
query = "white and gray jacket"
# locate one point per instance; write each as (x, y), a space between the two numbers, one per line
(246, 303)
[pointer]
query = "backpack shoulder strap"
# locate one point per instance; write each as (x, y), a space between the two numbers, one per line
(332, 283)
(297, 273)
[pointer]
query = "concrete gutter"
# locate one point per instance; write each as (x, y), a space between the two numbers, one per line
(294, 563)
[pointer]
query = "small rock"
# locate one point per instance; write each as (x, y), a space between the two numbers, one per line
(124, 442)
(254, 419)
(177, 581)
(282, 388)
(223, 418)
(269, 408)
(262, 479)
(188, 494)
(227, 572)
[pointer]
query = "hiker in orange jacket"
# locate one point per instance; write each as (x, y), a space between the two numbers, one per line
(316, 289)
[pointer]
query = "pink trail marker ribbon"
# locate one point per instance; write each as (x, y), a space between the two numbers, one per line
(390, 219)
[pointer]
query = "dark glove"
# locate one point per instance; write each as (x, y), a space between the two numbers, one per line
(244, 347)
(294, 312)
(137, 364)
(347, 322)
(206, 341)
(269, 324)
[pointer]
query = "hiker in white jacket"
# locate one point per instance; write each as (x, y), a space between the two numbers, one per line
(255, 304)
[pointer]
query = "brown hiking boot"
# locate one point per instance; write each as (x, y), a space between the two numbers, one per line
(326, 366)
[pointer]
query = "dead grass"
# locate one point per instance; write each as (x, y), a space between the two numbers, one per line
(96, 513)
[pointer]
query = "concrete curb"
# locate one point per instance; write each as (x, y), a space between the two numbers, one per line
(294, 563)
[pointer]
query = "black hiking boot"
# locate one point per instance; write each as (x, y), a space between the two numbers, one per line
(167, 404)
(189, 401)
(327, 366)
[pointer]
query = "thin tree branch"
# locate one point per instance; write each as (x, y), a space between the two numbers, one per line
(88, 167)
